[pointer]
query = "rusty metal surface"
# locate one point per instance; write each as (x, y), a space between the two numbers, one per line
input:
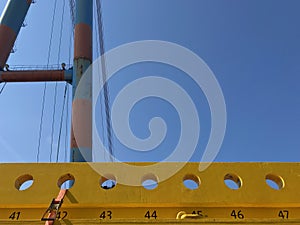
(83, 42)
(32, 76)
(7, 40)
(82, 121)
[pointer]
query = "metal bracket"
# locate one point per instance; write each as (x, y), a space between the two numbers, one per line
(52, 211)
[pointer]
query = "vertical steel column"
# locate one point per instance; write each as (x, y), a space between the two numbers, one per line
(81, 136)
(11, 21)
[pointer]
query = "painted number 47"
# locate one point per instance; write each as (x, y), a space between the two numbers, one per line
(284, 214)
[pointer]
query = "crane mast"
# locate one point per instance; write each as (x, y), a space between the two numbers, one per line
(89, 201)
(10, 24)
(81, 146)
(11, 21)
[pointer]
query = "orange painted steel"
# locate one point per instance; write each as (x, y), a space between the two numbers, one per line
(32, 76)
(83, 42)
(81, 123)
(7, 39)
(54, 207)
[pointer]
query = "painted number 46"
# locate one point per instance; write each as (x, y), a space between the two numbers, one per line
(237, 214)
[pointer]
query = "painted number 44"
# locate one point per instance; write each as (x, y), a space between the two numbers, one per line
(151, 215)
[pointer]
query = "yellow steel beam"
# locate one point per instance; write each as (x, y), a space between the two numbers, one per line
(170, 202)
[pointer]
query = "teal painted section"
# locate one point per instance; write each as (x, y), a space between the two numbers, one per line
(14, 14)
(81, 155)
(68, 74)
(84, 12)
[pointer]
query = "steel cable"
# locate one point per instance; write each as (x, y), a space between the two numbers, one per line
(104, 78)
(61, 121)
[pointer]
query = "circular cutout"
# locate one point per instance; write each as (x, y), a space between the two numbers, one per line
(274, 181)
(191, 181)
(150, 181)
(66, 181)
(24, 182)
(108, 182)
(232, 181)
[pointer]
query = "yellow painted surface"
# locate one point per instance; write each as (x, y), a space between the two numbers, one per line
(213, 202)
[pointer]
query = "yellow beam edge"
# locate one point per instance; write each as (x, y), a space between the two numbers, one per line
(214, 202)
(137, 222)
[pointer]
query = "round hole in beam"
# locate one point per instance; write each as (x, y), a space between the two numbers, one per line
(66, 181)
(274, 181)
(108, 182)
(232, 181)
(150, 181)
(24, 182)
(191, 181)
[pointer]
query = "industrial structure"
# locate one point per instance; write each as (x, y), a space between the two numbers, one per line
(90, 201)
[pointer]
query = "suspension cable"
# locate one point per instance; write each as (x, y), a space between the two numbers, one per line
(70, 44)
(58, 59)
(45, 85)
(72, 12)
(61, 30)
(53, 120)
(67, 122)
(72, 15)
(51, 33)
(104, 78)
(2, 88)
(61, 121)
(41, 122)
(96, 32)
(44, 89)
(56, 84)
(99, 80)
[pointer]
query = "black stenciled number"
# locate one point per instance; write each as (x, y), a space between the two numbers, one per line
(102, 215)
(109, 214)
(106, 214)
(61, 215)
(199, 212)
(237, 214)
(150, 215)
(284, 214)
(14, 216)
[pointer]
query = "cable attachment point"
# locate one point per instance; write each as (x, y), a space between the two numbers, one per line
(51, 213)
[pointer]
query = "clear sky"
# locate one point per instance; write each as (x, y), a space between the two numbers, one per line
(252, 46)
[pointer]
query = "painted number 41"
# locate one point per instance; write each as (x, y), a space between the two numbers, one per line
(14, 216)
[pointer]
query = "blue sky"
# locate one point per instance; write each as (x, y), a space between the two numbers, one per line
(252, 46)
